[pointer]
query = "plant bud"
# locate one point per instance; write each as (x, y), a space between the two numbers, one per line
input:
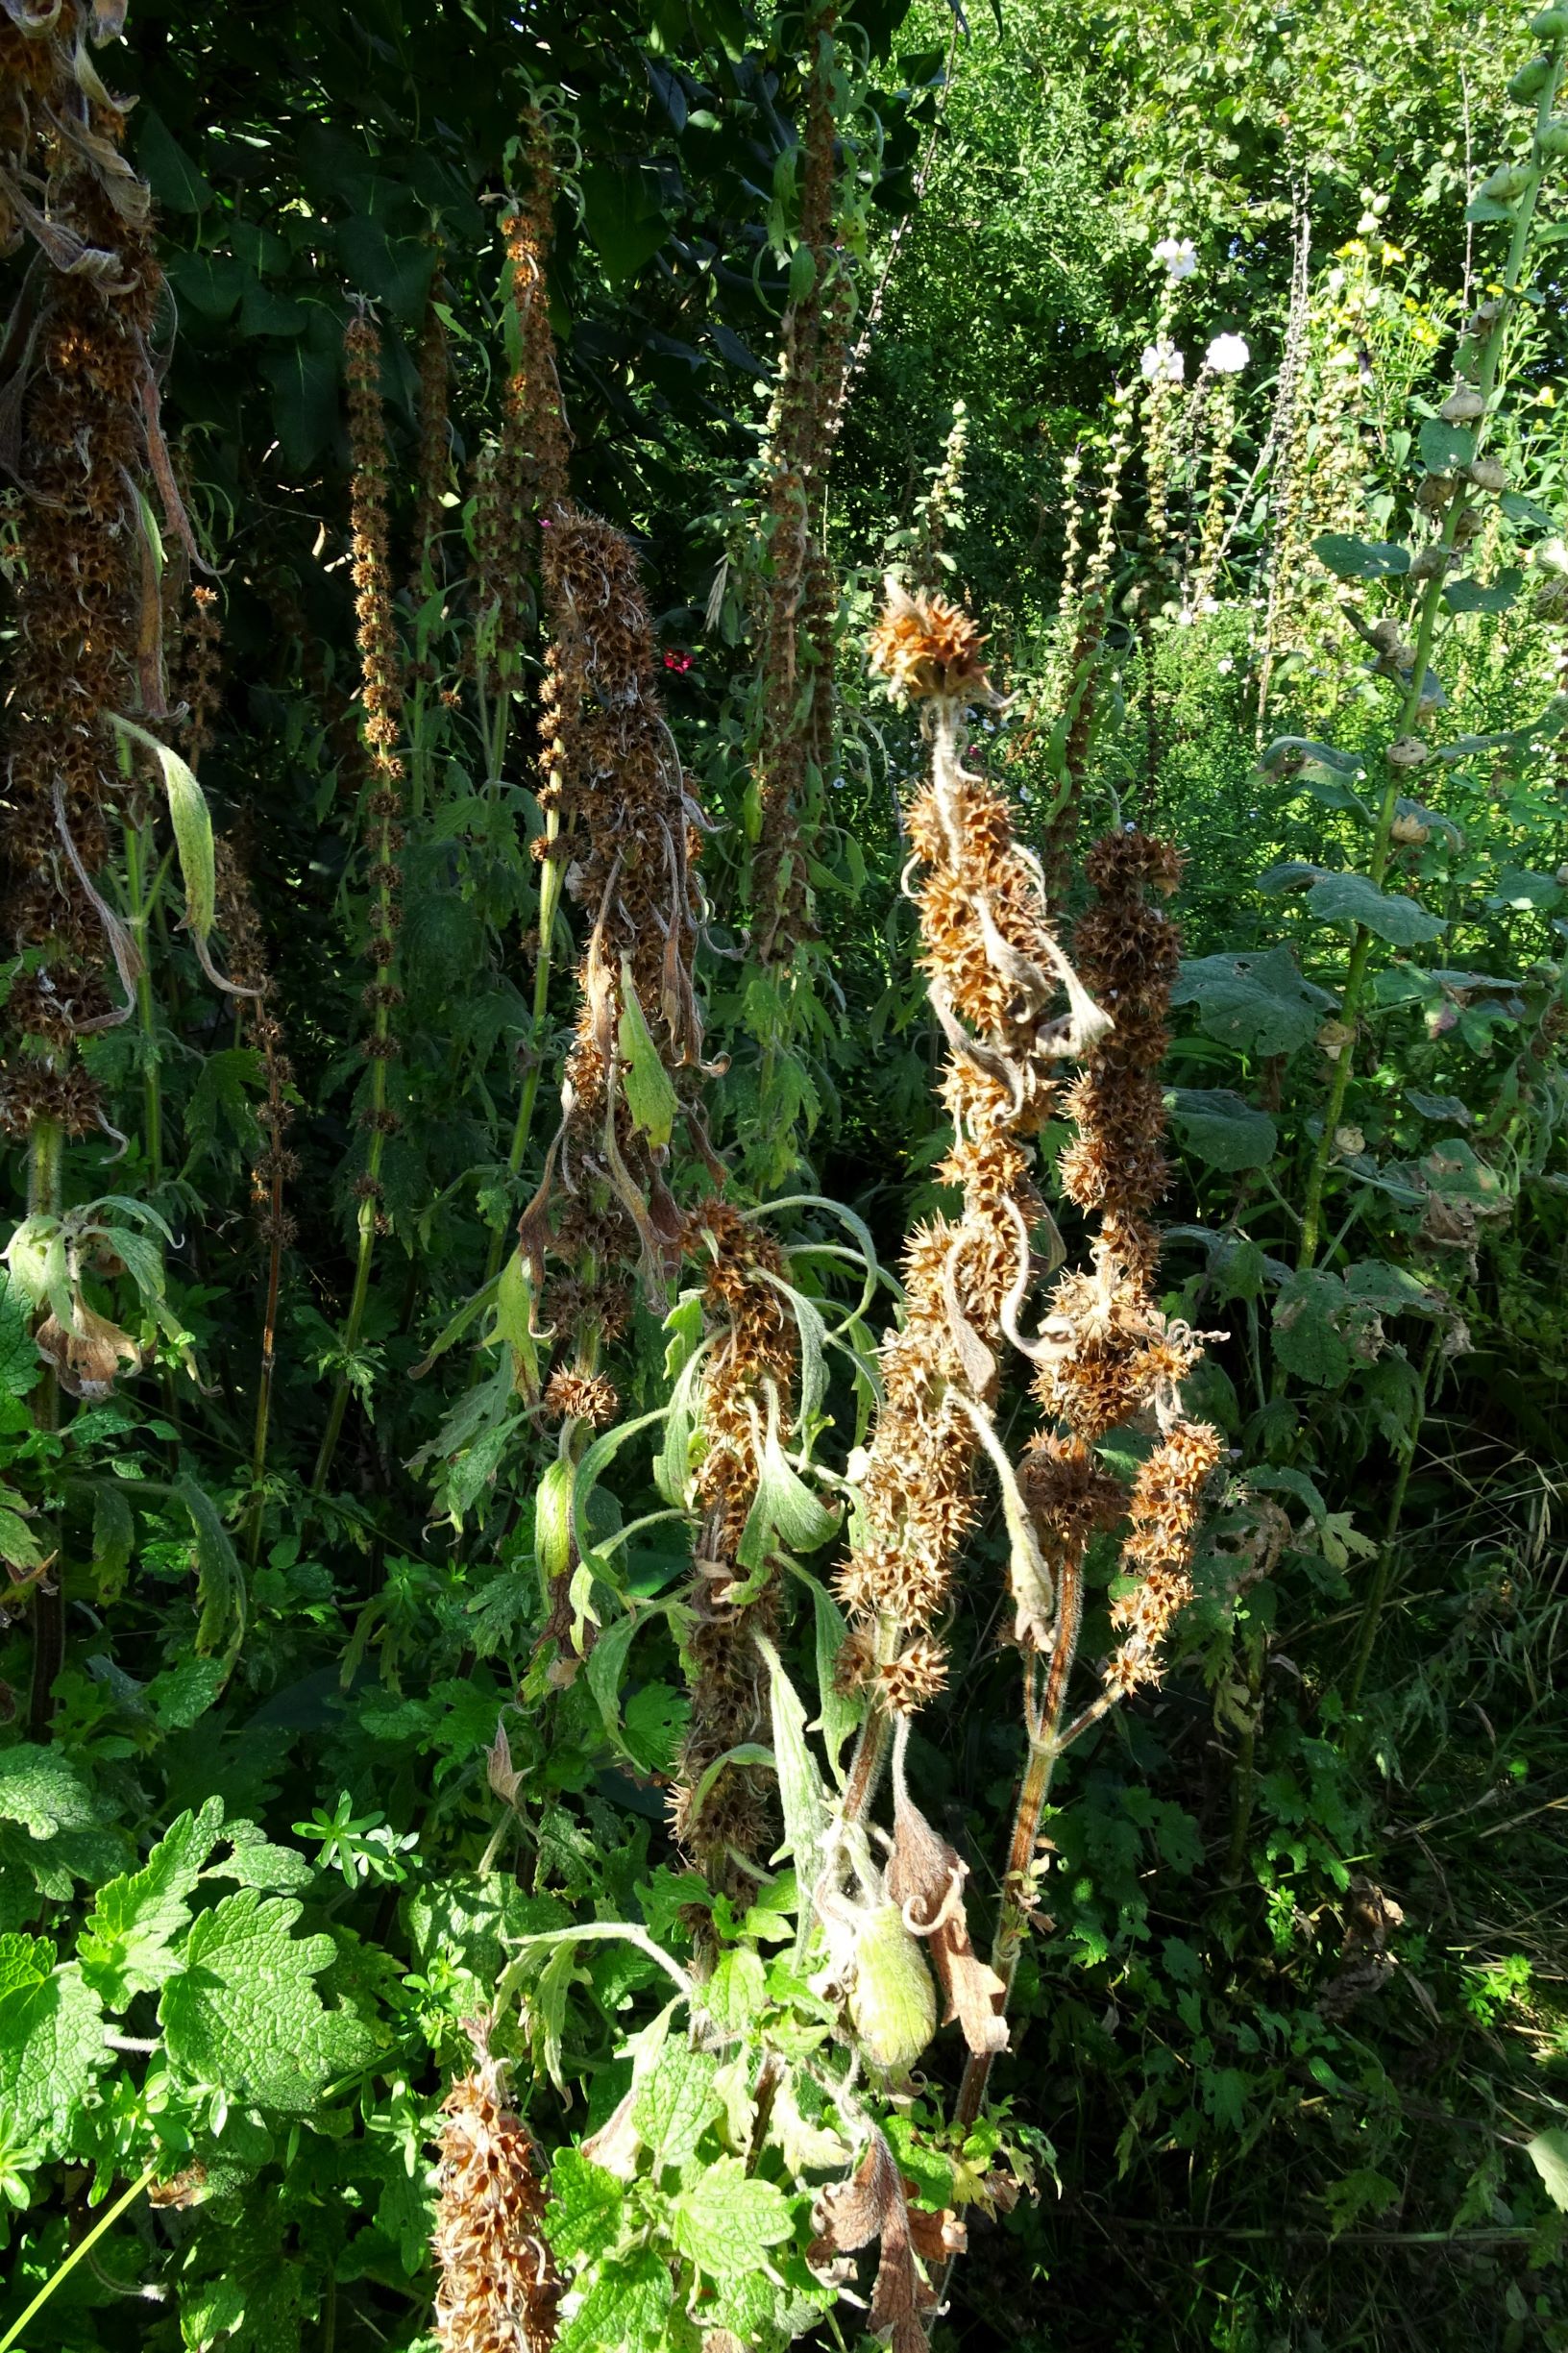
(1466, 527)
(1333, 1037)
(1461, 407)
(1384, 635)
(1433, 494)
(1552, 139)
(1410, 834)
(1430, 563)
(1551, 24)
(1408, 751)
(1529, 80)
(1348, 1141)
(552, 1521)
(1550, 599)
(892, 2003)
(1489, 473)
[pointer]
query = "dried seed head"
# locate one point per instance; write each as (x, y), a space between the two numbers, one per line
(928, 647)
(500, 2287)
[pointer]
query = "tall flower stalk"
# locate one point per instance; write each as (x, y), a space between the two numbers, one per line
(382, 707)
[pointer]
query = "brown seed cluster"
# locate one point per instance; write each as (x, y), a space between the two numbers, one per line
(995, 974)
(1107, 1354)
(89, 621)
(576, 1396)
(748, 1380)
(799, 600)
(500, 2289)
(381, 695)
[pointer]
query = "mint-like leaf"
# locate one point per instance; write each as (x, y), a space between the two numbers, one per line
(585, 2205)
(724, 2217)
(243, 2011)
(51, 2035)
(127, 1942)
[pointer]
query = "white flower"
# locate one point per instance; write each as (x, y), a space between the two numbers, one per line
(1226, 356)
(1225, 665)
(1181, 259)
(1164, 363)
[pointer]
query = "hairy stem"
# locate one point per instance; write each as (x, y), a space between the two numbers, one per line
(45, 1163)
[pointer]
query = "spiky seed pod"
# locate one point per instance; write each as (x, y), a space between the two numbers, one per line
(203, 672)
(583, 1397)
(500, 2289)
(994, 969)
(747, 1381)
(87, 609)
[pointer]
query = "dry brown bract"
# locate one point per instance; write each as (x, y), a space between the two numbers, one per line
(928, 647)
(873, 2203)
(500, 2289)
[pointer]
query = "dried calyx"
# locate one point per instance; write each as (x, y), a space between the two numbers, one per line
(499, 2287)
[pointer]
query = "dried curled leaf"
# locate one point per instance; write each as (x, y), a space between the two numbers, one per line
(925, 1878)
(873, 2204)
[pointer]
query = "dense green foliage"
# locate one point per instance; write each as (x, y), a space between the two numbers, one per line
(312, 1715)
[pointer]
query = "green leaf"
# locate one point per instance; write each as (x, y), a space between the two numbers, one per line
(724, 2216)
(51, 2035)
(621, 217)
(192, 822)
(42, 1790)
(1283, 1480)
(676, 2103)
(1519, 887)
(1258, 1003)
(127, 1942)
(784, 1511)
(244, 2013)
(1306, 1339)
(1472, 597)
(1289, 752)
(651, 1099)
(20, 1364)
(304, 374)
(1360, 559)
(737, 1990)
(1446, 1107)
(839, 1712)
(627, 2308)
(800, 1790)
(1445, 447)
(166, 168)
(1355, 899)
(585, 2208)
(1223, 1128)
(1548, 2153)
(113, 1536)
(220, 1580)
(1519, 509)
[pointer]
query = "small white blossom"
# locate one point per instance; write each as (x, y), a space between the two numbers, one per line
(1226, 356)
(1225, 665)
(1164, 363)
(1180, 257)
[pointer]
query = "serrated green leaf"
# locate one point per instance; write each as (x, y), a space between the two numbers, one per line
(736, 1991)
(586, 2204)
(627, 2308)
(42, 1790)
(20, 1365)
(243, 2011)
(192, 822)
(220, 1580)
(721, 2220)
(51, 2035)
(676, 2103)
(127, 1940)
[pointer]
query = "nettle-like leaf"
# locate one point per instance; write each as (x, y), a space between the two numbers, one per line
(628, 2307)
(1223, 1128)
(724, 2218)
(51, 2035)
(673, 2105)
(1354, 898)
(586, 2204)
(127, 1942)
(244, 2013)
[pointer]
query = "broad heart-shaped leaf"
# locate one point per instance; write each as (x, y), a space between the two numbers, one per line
(51, 2035)
(1223, 1128)
(627, 2308)
(244, 2013)
(1548, 2153)
(1306, 1339)
(1519, 509)
(1258, 1003)
(622, 219)
(651, 1099)
(1444, 446)
(1473, 597)
(1354, 898)
(127, 1942)
(724, 2217)
(1360, 559)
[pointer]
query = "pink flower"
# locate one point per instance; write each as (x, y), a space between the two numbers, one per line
(677, 661)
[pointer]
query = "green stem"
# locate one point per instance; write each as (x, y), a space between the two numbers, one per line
(1382, 1573)
(142, 905)
(550, 900)
(45, 1167)
(83, 2246)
